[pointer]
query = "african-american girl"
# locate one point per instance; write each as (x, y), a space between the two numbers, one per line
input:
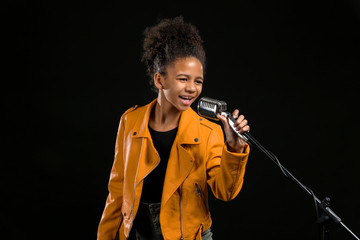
(166, 155)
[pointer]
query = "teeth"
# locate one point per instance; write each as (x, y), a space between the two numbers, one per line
(188, 98)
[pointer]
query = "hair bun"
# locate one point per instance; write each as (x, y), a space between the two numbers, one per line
(169, 40)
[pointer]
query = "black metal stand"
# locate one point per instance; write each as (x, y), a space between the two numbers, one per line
(326, 214)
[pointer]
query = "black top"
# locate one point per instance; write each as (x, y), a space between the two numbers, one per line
(153, 183)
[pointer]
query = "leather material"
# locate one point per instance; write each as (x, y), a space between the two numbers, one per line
(198, 157)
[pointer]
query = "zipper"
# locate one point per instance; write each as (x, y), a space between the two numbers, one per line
(135, 185)
(198, 192)
(181, 220)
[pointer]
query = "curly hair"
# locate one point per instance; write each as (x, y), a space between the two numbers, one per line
(168, 41)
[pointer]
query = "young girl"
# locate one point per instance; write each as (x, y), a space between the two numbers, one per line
(166, 155)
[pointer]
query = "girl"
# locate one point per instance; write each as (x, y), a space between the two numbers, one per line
(166, 155)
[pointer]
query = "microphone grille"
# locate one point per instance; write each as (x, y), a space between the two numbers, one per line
(209, 108)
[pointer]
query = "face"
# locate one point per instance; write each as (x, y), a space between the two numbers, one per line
(181, 84)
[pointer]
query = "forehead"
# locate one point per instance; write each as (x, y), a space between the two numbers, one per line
(186, 64)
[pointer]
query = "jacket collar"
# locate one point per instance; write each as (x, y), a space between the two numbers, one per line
(189, 125)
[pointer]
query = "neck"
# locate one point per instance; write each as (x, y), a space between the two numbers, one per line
(164, 117)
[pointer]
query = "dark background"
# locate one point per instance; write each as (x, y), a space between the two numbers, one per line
(70, 69)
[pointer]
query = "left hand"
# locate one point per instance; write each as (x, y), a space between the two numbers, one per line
(235, 143)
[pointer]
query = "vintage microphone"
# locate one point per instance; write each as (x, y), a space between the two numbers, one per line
(209, 108)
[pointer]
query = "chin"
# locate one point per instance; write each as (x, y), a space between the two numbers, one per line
(183, 108)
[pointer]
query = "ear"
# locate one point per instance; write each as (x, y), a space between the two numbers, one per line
(158, 80)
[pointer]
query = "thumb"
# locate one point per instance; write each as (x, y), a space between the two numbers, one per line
(224, 120)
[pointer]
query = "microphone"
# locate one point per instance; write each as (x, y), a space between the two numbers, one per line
(209, 108)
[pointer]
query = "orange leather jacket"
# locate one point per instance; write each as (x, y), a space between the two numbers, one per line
(198, 157)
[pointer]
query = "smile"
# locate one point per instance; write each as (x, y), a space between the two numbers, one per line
(186, 100)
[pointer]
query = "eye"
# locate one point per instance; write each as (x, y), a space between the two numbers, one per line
(183, 79)
(199, 81)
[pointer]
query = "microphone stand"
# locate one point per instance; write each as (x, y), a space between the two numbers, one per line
(208, 107)
(326, 215)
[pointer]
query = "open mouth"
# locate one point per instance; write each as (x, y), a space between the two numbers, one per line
(186, 100)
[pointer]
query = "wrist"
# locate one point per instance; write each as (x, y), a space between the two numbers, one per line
(236, 148)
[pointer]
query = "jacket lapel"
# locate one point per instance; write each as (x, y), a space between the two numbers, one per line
(148, 157)
(180, 160)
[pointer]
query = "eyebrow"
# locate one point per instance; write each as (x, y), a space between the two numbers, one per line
(187, 75)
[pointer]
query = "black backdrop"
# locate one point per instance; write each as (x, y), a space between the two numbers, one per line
(72, 68)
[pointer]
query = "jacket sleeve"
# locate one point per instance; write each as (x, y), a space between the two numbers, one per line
(225, 170)
(111, 218)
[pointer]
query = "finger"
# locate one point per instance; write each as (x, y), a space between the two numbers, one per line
(222, 118)
(225, 122)
(243, 123)
(235, 114)
(239, 120)
(244, 129)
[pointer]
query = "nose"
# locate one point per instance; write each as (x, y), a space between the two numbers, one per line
(190, 87)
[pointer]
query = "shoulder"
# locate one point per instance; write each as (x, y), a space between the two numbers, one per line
(206, 124)
(209, 124)
(129, 112)
(134, 111)
(212, 127)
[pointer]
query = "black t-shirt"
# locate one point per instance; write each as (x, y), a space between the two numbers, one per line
(154, 182)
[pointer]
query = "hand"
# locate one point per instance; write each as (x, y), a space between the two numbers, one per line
(235, 143)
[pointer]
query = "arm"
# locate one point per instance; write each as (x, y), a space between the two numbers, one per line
(111, 218)
(225, 169)
(226, 162)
